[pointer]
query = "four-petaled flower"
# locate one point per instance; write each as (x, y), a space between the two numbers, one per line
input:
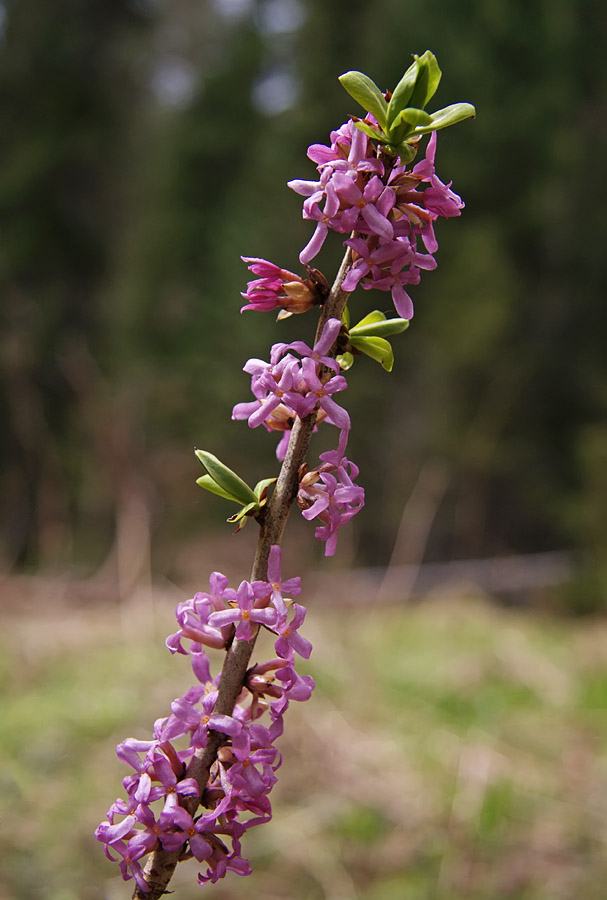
(289, 640)
(244, 612)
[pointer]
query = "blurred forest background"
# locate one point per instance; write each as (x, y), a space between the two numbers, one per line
(453, 751)
(146, 145)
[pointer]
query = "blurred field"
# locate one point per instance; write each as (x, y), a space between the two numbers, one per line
(451, 750)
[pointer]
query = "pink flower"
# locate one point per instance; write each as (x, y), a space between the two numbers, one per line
(326, 218)
(322, 346)
(191, 831)
(193, 619)
(297, 687)
(330, 494)
(350, 151)
(289, 640)
(243, 614)
(366, 209)
(388, 267)
(168, 771)
(191, 713)
(129, 867)
(272, 591)
(320, 394)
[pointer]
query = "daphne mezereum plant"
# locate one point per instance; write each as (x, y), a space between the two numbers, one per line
(205, 776)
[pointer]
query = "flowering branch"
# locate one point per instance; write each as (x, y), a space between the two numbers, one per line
(211, 751)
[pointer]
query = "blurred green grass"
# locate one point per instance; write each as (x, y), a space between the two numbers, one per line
(451, 750)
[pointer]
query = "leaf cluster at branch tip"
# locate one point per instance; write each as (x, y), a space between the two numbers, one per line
(402, 119)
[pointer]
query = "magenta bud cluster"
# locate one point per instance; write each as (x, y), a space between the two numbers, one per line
(236, 794)
(277, 288)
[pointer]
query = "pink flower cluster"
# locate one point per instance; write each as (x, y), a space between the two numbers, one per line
(291, 386)
(329, 493)
(236, 795)
(383, 209)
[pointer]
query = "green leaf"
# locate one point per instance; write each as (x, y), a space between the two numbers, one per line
(450, 115)
(402, 93)
(367, 94)
(380, 329)
(406, 121)
(406, 152)
(206, 482)
(231, 483)
(345, 316)
(370, 131)
(412, 116)
(370, 319)
(245, 511)
(261, 486)
(377, 348)
(428, 79)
